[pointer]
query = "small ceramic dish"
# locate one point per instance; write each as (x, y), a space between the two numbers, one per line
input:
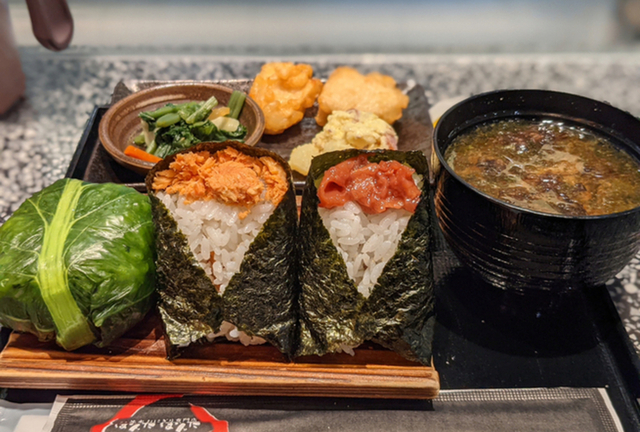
(121, 123)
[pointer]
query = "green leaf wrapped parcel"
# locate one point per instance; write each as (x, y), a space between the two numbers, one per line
(399, 312)
(77, 263)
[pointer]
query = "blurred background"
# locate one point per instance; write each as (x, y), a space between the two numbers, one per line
(356, 26)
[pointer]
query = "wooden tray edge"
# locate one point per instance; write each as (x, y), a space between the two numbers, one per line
(239, 380)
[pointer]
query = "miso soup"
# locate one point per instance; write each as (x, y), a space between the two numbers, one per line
(548, 166)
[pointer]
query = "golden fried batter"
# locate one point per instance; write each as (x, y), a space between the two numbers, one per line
(284, 91)
(347, 89)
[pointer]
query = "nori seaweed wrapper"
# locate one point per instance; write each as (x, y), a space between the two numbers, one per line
(260, 299)
(399, 312)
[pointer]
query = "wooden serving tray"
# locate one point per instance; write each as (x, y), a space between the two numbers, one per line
(137, 363)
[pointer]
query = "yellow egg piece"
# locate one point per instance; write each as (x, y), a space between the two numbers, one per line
(344, 130)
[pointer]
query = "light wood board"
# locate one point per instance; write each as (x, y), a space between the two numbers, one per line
(137, 363)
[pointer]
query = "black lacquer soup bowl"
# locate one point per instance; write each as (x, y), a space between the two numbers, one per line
(515, 248)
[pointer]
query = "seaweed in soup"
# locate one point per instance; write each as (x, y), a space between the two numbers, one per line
(547, 166)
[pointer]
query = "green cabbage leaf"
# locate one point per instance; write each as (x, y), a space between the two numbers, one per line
(77, 263)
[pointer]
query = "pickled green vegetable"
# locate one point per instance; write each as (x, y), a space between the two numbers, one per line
(172, 128)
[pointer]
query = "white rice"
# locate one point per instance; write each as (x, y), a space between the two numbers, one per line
(213, 227)
(365, 241)
(232, 333)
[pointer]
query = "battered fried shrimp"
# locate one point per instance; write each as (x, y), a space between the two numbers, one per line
(347, 89)
(284, 91)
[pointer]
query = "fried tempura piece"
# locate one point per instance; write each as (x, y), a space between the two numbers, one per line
(284, 91)
(347, 89)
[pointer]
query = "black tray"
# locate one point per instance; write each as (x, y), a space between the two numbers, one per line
(485, 337)
(92, 163)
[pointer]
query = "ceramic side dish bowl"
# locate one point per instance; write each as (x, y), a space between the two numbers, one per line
(514, 248)
(121, 123)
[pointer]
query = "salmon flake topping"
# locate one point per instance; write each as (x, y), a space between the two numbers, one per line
(227, 176)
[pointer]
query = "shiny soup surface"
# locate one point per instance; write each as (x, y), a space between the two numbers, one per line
(547, 166)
